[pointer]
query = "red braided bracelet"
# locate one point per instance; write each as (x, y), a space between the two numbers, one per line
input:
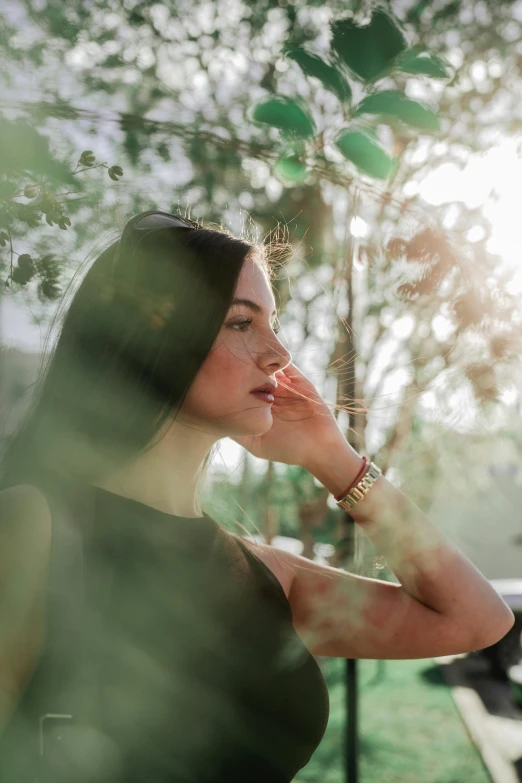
(354, 482)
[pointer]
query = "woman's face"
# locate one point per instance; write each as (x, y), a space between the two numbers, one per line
(245, 355)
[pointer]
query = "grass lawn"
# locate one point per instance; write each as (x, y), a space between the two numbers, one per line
(410, 730)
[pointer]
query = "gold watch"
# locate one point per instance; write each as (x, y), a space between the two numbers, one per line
(361, 488)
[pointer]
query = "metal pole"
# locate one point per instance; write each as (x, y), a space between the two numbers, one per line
(352, 715)
(347, 543)
(352, 735)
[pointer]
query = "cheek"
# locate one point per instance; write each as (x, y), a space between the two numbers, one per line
(222, 364)
(221, 380)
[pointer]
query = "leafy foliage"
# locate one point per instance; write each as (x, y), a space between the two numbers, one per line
(362, 149)
(369, 50)
(394, 104)
(28, 170)
(423, 275)
(417, 61)
(291, 168)
(438, 271)
(331, 77)
(286, 115)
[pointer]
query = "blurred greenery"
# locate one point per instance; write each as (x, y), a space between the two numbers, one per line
(401, 704)
(285, 117)
(308, 120)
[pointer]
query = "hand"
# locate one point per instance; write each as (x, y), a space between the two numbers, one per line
(302, 423)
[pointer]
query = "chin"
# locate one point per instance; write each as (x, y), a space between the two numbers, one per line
(255, 427)
(261, 429)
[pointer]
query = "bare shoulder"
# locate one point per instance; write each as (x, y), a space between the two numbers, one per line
(25, 537)
(24, 508)
(21, 496)
(274, 559)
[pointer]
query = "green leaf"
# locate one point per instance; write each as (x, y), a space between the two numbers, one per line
(331, 78)
(291, 168)
(414, 61)
(393, 103)
(362, 150)
(370, 50)
(286, 115)
(452, 9)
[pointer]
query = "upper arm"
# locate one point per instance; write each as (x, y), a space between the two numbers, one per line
(343, 615)
(25, 538)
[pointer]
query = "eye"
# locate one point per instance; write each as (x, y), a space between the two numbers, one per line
(244, 323)
(241, 326)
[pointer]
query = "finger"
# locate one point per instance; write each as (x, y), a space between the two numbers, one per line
(289, 374)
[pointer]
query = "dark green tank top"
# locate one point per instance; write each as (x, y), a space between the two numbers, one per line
(171, 645)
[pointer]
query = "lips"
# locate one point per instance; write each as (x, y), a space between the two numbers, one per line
(269, 388)
(266, 391)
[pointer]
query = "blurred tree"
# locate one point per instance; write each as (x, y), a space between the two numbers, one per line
(30, 175)
(298, 113)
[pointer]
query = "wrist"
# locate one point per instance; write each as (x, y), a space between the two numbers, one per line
(335, 465)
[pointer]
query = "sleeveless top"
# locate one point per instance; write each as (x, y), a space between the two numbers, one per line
(172, 646)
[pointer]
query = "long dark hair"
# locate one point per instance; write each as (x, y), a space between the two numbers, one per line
(130, 344)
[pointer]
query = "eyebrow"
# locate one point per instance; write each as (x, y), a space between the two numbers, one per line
(251, 305)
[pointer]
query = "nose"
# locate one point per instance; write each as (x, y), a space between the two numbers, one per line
(276, 357)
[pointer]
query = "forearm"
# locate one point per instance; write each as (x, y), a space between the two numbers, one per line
(428, 566)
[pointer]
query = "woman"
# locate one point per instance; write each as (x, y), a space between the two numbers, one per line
(190, 657)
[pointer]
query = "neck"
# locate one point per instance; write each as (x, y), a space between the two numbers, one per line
(167, 476)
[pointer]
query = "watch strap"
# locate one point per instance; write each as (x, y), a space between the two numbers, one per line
(361, 489)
